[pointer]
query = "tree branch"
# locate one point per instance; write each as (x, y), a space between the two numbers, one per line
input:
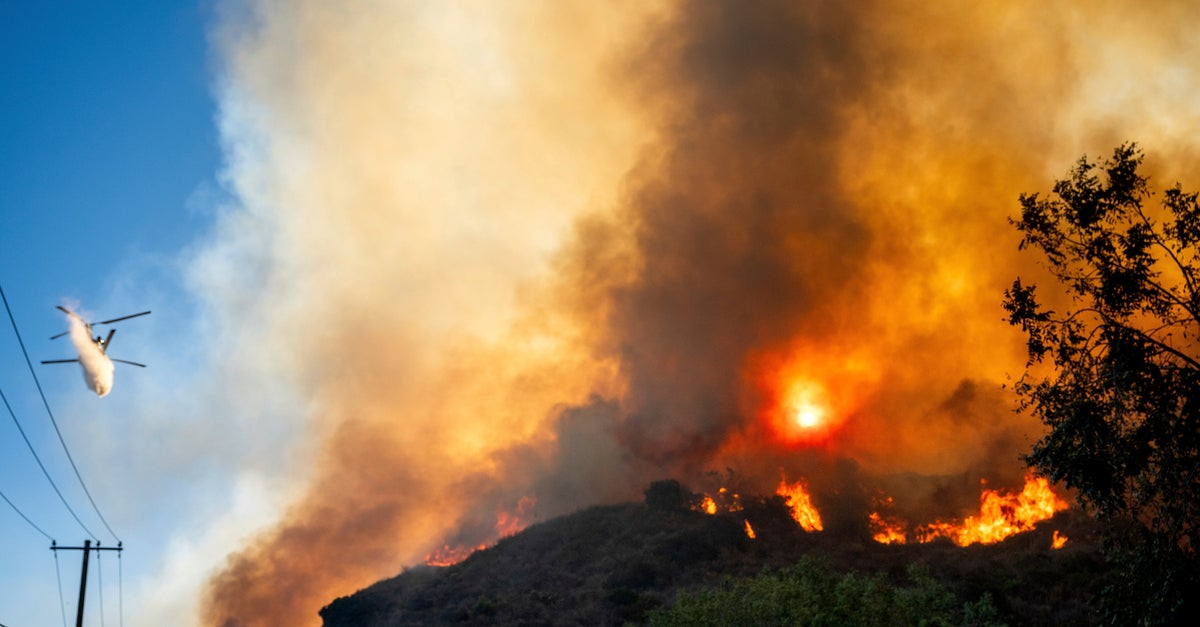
(1108, 319)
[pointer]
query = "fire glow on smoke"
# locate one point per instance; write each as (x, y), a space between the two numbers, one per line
(808, 398)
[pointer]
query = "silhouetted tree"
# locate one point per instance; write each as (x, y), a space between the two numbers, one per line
(669, 495)
(1116, 375)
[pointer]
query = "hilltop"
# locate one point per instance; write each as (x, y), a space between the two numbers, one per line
(611, 565)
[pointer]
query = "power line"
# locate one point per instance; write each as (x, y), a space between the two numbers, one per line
(62, 605)
(41, 465)
(100, 583)
(55, 423)
(87, 549)
(22, 515)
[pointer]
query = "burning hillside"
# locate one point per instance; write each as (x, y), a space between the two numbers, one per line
(1002, 514)
(505, 261)
(613, 565)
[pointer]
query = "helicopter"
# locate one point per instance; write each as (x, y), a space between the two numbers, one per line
(93, 351)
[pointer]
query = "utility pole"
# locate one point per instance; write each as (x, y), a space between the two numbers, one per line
(87, 549)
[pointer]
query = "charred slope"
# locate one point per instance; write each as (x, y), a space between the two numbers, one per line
(612, 564)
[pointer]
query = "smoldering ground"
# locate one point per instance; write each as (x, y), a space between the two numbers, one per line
(556, 252)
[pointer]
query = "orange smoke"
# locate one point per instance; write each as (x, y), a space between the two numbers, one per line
(499, 249)
(403, 174)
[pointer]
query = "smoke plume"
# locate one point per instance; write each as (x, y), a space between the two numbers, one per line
(517, 260)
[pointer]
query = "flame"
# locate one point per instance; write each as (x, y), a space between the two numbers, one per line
(509, 523)
(1058, 541)
(749, 530)
(1001, 515)
(886, 531)
(797, 497)
(732, 501)
(934, 530)
(725, 501)
(449, 556)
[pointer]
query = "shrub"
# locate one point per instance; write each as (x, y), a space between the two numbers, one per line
(810, 593)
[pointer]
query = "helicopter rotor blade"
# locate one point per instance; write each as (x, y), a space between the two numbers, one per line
(89, 325)
(70, 314)
(131, 363)
(122, 318)
(107, 340)
(60, 361)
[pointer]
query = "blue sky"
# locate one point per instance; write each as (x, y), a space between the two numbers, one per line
(107, 131)
(107, 140)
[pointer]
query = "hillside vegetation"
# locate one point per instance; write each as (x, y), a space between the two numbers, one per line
(660, 562)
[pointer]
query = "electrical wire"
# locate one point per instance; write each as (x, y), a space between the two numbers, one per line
(54, 422)
(62, 605)
(43, 466)
(100, 581)
(22, 515)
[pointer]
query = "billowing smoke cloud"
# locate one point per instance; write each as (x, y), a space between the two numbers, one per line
(519, 260)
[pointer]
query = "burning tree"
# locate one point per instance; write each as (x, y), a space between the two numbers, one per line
(1116, 374)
